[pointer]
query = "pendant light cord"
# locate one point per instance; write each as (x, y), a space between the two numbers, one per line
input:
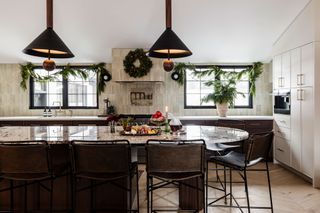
(168, 14)
(49, 13)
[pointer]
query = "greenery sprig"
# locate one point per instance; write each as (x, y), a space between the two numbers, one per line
(137, 71)
(253, 72)
(27, 71)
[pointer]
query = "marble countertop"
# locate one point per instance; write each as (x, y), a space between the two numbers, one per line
(94, 118)
(65, 134)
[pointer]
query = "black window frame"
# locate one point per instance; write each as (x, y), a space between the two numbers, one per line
(64, 104)
(250, 106)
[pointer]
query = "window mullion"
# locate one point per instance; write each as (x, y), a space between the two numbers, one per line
(64, 93)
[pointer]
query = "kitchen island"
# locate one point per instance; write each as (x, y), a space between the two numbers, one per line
(59, 137)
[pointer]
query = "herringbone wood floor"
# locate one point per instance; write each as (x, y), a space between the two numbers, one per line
(291, 194)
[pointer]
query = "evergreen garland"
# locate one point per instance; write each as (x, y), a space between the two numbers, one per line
(27, 71)
(253, 72)
(144, 67)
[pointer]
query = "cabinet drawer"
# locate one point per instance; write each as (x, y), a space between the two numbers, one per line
(282, 132)
(282, 150)
(282, 120)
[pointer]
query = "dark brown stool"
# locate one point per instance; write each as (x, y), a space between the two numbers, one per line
(27, 161)
(257, 150)
(172, 163)
(104, 162)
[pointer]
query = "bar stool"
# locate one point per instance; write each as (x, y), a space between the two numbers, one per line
(220, 150)
(27, 161)
(172, 163)
(258, 148)
(104, 162)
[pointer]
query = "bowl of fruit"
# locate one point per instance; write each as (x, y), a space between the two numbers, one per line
(157, 119)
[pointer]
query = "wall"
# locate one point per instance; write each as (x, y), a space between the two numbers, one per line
(14, 101)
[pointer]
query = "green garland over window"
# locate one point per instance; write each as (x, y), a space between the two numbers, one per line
(253, 72)
(27, 71)
(130, 67)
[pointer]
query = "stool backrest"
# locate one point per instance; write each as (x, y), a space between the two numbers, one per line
(175, 156)
(258, 146)
(239, 124)
(24, 157)
(108, 157)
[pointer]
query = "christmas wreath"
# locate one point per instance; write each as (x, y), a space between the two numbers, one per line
(137, 71)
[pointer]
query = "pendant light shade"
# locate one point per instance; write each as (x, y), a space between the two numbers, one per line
(169, 44)
(48, 44)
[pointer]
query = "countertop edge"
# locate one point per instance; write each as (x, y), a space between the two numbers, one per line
(96, 118)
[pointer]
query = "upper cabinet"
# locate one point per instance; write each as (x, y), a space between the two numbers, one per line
(156, 74)
(302, 66)
(281, 71)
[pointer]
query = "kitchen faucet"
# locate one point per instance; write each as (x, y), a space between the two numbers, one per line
(59, 102)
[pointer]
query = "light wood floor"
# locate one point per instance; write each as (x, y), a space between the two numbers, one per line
(290, 193)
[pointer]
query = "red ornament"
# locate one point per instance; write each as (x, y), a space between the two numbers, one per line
(49, 65)
(168, 65)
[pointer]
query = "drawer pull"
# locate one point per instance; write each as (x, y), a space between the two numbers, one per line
(282, 121)
(281, 150)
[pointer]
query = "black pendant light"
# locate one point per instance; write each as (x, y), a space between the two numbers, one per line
(48, 44)
(169, 45)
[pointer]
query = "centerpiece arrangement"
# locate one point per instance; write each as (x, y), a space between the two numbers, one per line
(157, 119)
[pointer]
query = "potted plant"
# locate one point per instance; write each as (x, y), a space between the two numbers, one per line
(223, 95)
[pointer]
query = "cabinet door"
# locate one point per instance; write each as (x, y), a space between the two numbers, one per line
(296, 129)
(307, 123)
(276, 72)
(295, 67)
(285, 70)
(307, 65)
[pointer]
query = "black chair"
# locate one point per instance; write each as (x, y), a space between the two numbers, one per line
(105, 162)
(172, 163)
(222, 149)
(257, 149)
(26, 163)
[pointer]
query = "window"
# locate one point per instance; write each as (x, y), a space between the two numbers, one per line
(72, 93)
(195, 89)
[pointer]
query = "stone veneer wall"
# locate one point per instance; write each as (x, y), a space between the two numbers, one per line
(15, 102)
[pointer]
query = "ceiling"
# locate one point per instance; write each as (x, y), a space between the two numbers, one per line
(217, 31)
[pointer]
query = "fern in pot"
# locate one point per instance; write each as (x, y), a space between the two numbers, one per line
(223, 95)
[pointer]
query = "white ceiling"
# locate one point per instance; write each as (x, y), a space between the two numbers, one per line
(236, 31)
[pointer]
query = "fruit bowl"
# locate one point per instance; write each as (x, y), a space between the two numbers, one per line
(157, 119)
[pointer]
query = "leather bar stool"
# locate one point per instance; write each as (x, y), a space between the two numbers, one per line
(172, 163)
(28, 162)
(220, 150)
(105, 162)
(257, 150)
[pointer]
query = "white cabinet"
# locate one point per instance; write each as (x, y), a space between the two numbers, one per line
(282, 125)
(285, 71)
(307, 123)
(281, 71)
(302, 66)
(276, 72)
(307, 65)
(302, 130)
(294, 134)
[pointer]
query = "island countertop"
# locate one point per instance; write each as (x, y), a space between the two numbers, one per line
(65, 134)
(96, 118)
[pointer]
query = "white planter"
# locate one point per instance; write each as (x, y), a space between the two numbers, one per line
(222, 109)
